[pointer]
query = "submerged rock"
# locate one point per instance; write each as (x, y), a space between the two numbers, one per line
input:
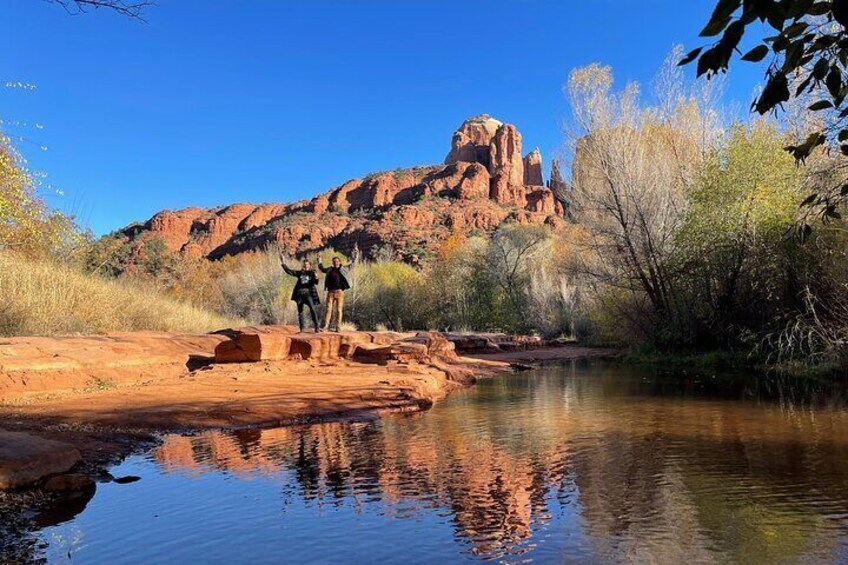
(70, 482)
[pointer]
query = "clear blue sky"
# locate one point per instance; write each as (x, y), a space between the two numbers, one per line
(213, 102)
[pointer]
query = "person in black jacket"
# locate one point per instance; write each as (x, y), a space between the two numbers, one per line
(335, 283)
(305, 291)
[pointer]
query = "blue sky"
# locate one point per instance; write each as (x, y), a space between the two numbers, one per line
(218, 101)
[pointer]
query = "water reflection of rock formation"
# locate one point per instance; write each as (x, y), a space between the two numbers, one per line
(493, 497)
(652, 478)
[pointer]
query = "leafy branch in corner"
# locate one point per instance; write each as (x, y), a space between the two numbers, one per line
(809, 57)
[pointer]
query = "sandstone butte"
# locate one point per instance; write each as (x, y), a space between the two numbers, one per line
(483, 182)
(99, 398)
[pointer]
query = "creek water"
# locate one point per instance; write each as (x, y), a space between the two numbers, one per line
(590, 462)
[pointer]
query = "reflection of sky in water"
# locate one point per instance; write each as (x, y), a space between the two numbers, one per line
(587, 462)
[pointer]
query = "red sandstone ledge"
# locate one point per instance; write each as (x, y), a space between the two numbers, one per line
(98, 393)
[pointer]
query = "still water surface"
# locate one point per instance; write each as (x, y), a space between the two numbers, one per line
(591, 462)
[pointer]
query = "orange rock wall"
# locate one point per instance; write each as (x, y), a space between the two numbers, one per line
(484, 182)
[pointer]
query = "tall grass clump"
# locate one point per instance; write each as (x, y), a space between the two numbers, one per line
(44, 297)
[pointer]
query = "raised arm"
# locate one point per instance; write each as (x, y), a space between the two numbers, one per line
(291, 272)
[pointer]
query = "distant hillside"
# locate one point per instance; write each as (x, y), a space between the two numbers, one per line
(483, 183)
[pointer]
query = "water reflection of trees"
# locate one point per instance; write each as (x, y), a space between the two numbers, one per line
(659, 477)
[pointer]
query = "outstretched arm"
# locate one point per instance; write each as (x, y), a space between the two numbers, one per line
(291, 272)
(282, 258)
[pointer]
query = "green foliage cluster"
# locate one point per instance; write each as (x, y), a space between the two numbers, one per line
(512, 281)
(689, 231)
(736, 272)
(809, 59)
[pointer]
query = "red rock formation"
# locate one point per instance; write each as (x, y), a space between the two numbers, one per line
(533, 169)
(541, 200)
(480, 186)
(262, 215)
(471, 141)
(506, 167)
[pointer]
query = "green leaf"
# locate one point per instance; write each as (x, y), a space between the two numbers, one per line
(801, 152)
(806, 231)
(793, 56)
(840, 11)
(708, 62)
(823, 42)
(803, 85)
(795, 29)
(821, 105)
(819, 9)
(775, 13)
(775, 92)
(834, 81)
(781, 43)
(721, 17)
(756, 54)
(715, 27)
(820, 69)
(691, 56)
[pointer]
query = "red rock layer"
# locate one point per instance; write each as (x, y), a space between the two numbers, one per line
(483, 183)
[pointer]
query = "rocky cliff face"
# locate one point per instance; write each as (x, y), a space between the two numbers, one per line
(484, 182)
(533, 175)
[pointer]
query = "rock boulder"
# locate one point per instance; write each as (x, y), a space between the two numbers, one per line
(26, 459)
(70, 482)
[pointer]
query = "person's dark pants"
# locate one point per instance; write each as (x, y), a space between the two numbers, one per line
(306, 301)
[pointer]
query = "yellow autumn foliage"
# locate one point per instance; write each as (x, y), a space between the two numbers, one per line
(26, 223)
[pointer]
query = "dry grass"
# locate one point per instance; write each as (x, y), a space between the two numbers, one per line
(47, 298)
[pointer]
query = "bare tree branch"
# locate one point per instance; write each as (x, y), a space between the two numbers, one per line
(133, 9)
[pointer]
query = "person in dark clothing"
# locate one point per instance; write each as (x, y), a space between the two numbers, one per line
(305, 291)
(335, 283)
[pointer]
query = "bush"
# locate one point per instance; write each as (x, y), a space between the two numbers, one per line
(388, 294)
(256, 288)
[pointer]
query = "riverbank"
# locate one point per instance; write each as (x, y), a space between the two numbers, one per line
(107, 396)
(733, 361)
